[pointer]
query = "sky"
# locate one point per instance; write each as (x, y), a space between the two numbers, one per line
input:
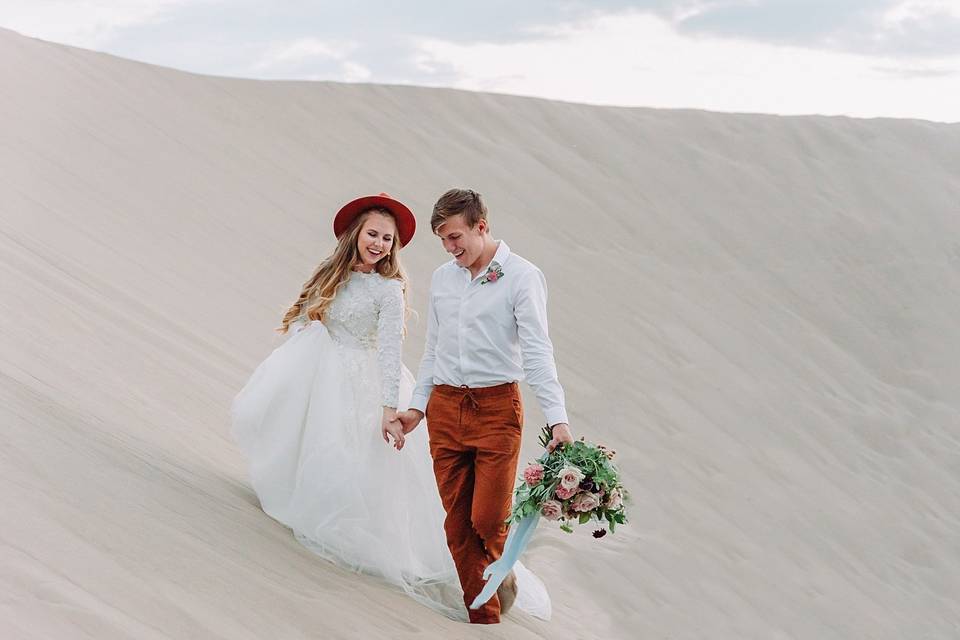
(862, 58)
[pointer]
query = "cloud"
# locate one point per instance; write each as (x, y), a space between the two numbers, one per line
(302, 50)
(914, 72)
(909, 27)
(83, 23)
(921, 28)
(355, 72)
(635, 58)
(859, 57)
(312, 59)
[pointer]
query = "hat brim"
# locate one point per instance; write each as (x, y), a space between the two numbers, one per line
(406, 222)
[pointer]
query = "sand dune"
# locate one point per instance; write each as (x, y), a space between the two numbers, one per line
(758, 312)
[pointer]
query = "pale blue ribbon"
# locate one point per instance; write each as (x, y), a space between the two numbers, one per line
(497, 571)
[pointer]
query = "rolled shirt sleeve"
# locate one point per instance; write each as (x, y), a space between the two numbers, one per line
(539, 366)
(421, 393)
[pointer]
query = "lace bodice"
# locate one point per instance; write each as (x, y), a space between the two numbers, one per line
(368, 313)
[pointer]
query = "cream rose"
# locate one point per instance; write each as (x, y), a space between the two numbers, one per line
(570, 477)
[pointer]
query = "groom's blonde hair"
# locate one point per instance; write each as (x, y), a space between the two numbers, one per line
(455, 202)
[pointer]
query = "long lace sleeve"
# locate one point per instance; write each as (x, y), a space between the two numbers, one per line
(389, 340)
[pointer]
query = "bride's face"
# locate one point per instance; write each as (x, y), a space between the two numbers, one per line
(376, 238)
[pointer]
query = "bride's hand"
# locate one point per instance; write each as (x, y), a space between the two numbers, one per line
(390, 427)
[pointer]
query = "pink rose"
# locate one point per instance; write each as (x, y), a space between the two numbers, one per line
(570, 477)
(585, 502)
(533, 474)
(615, 500)
(551, 510)
(492, 276)
(565, 494)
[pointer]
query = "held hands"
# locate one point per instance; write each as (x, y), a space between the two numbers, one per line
(409, 419)
(561, 434)
(390, 427)
(398, 424)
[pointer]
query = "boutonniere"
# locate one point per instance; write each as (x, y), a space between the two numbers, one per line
(494, 273)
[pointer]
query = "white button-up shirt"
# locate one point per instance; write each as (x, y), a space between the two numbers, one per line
(482, 334)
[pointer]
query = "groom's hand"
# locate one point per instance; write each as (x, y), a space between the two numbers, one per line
(409, 419)
(561, 433)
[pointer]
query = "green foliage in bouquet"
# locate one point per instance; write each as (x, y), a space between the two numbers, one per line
(576, 483)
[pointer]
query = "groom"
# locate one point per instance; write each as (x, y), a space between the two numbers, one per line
(486, 330)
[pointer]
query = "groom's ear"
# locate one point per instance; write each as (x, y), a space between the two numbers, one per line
(482, 226)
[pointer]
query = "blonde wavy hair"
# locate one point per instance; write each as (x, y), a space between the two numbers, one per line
(322, 287)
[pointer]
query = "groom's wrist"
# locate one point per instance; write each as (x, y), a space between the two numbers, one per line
(555, 416)
(418, 403)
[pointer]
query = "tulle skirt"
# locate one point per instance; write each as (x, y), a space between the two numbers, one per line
(308, 421)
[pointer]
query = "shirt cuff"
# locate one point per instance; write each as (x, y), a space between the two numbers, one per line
(419, 402)
(555, 415)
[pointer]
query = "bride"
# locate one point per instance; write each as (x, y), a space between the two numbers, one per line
(313, 418)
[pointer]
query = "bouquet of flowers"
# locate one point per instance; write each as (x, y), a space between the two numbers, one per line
(576, 483)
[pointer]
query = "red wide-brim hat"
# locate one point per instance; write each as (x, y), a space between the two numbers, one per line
(406, 223)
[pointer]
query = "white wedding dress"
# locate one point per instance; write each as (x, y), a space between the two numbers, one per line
(309, 423)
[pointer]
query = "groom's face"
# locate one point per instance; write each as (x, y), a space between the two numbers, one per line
(463, 242)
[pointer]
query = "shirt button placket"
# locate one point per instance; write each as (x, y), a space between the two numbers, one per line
(461, 332)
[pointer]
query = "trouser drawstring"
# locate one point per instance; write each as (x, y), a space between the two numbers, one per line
(468, 395)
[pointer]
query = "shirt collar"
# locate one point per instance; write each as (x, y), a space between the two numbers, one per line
(499, 259)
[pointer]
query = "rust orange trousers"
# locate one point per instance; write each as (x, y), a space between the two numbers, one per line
(475, 443)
